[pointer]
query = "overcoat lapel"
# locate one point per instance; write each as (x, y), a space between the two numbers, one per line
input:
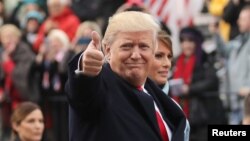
(147, 104)
(172, 114)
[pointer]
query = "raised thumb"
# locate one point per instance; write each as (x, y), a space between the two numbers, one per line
(96, 40)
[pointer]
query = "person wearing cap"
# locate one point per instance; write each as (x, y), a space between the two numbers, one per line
(198, 95)
(31, 25)
(110, 96)
(22, 8)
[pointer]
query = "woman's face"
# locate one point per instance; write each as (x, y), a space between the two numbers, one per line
(161, 64)
(188, 47)
(55, 45)
(32, 127)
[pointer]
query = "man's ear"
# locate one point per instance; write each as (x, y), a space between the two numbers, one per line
(106, 51)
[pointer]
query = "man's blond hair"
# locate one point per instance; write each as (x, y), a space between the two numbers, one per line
(130, 21)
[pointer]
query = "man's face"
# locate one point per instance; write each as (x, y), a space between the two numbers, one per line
(131, 55)
(244, 21)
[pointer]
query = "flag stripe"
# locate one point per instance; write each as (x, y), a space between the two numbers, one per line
(152, 2)
(163, 4)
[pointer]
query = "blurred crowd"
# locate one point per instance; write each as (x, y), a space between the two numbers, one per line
(39, 37)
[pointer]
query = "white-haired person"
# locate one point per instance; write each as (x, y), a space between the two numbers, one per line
(60, 17)
(110, 96)
(50, 65)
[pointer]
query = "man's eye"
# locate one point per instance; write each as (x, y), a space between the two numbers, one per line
(127, 45)
(143, 46)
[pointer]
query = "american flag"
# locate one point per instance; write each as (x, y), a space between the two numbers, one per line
(159, 8)
(175, 14)
(182, 10)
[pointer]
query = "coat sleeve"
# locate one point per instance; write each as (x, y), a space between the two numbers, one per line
(247, 78)
(209, 84)
(24, 60)
(224, 49)
(85, 94)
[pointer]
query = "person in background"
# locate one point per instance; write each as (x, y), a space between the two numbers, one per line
(162, 62)
(51, 66)
(83, 35)
(231, 15)
(21, 9)
(246, 117)
(198, 94)
(33, 20)
(236, 53)
(16, 60)
(60, 17)
(27, 123)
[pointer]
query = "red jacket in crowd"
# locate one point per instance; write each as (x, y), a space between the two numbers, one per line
(66, 21)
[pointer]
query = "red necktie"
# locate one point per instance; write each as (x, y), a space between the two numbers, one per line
(160, 122)
(161, 125)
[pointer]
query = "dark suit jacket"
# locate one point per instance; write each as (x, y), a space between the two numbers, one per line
(107, 108)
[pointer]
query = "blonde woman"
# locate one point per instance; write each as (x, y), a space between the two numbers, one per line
(162, 61)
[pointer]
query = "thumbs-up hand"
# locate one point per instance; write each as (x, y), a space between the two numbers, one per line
(93, 57)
